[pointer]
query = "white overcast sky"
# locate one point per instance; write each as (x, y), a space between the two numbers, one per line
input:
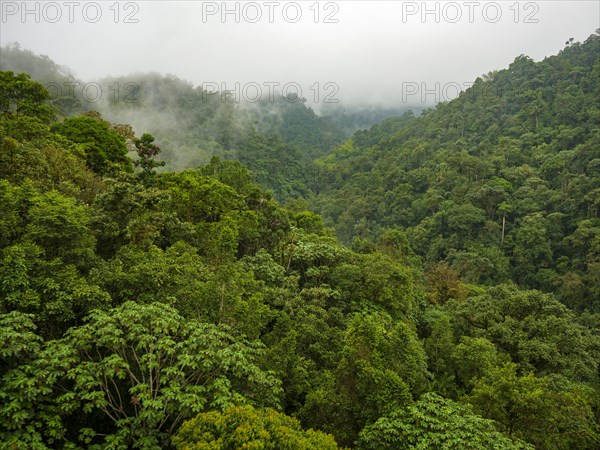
(371, 51)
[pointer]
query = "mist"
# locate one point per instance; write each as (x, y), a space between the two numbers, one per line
(203, 76)
(354, 53)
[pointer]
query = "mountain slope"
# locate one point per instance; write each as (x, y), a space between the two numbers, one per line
(501, 183)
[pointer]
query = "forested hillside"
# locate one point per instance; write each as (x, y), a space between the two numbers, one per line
(500, 184)
(448, 296)
(277, 137)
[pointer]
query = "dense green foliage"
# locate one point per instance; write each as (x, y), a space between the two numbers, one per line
(420, 426)
(148, 308)
(104, 148)
(277, 138)
(245, 427)
(500, 184)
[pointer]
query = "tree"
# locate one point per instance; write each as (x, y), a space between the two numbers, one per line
(439, 346)
(60, 227)
(132, 375)
(382, 366)
(55, 293)
(147, 152)
(445, 284)
(130, 212)
(19, 95)
(198, 198)
(435, 422)
(532, 250)
(18, 341)
(549, 412)
(375, 281)
(535, 329)
(249, 428)
(104, 148)
(474, 358)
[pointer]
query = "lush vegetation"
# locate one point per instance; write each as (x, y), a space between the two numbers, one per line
(277, 138)
(454, 302)
(500, 184)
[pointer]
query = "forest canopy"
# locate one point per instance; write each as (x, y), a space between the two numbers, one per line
(431, 281)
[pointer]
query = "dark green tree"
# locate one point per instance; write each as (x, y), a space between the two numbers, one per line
(104, 148)
(147, 152)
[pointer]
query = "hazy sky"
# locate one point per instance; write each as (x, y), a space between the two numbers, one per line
(368, 51)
